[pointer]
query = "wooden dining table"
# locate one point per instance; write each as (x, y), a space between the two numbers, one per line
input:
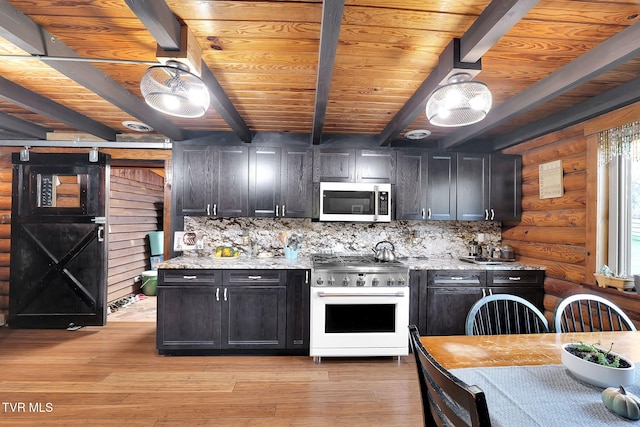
(462, 351)
(524, 381)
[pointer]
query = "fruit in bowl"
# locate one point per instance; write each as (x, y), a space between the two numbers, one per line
(226, 252)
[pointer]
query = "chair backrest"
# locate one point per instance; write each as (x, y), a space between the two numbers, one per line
(590, 313)
(505, 314)
(446, 400)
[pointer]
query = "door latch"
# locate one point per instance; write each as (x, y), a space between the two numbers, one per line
(99, 220)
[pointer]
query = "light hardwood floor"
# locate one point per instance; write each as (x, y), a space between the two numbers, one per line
(113, 376)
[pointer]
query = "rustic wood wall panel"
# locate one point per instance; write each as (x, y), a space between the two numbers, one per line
(135, 210)
(558, 233)
(5, 202)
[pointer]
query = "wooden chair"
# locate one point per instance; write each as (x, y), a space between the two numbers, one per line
(446, 400)
(589, 313)
(505, 314)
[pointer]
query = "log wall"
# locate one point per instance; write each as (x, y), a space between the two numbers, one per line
(135, 209)
(561, 234)
(5, 201)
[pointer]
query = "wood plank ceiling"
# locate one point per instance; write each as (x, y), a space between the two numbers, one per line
(314, 71)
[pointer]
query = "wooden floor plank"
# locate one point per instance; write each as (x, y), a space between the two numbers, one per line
(113, 376)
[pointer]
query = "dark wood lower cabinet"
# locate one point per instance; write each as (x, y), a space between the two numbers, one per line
(232, 312)
(441, 299)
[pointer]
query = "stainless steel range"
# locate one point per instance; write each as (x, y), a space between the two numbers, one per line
(359, 306)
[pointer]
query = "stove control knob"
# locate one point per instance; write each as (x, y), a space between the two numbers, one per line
(360, 282)
(346, 281)
(375, 281)
(320, 282)
(331, 281)
(390, 281)
(401, 281)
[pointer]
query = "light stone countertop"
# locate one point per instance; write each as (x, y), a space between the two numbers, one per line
(304, 263)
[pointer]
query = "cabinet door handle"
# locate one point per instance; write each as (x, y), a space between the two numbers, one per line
(493, 214)
(515, 278)
(486, 214)
(490, 291)
(422, 214)
(277, 210)
(189, 277)
(254, 277)
(215, 209)
(225, 294)
(484, 294)
(208, 209)
(217, 294)
(283, 210)
(306, 276)
(429, 213)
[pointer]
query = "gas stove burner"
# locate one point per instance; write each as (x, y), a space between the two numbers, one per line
(358, 271)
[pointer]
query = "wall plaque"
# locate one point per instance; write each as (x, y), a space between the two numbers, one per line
(550, 176)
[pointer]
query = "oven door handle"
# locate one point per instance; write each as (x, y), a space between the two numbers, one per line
(359, 294)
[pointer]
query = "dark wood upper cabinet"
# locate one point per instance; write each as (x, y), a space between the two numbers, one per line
(345, 165)
(426, 185)
(211, 180)
(473, 186)
(505, 187)
(334, 165)
(296, 183)
(411, 185)
(264, 181)
(280, 182)
(441, 186)
(489, 187)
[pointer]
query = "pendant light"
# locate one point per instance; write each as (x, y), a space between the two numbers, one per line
(460, 102)
(172, 89)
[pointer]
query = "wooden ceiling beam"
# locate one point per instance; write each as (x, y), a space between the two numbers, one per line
(492, 24)
(611, 53)
(83, 73)
(613, 99)
(161, 22)
(22, 127)
(329, 33)
(23, 97)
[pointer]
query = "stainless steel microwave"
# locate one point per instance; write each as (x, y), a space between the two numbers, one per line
(346, 201)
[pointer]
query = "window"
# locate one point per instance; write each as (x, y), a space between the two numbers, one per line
(620, 163)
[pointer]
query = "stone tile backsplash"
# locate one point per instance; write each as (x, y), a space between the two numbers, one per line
(439, 239)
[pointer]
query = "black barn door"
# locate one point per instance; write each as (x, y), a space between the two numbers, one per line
(58, 241)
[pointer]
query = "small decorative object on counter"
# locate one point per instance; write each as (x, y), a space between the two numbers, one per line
(621, 402)
(508, 252)
(474, 248)
(291, 244)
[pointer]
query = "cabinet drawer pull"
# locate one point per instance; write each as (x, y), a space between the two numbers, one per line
(457, 277)
(189, 277)
(254, 277)
(515, 278)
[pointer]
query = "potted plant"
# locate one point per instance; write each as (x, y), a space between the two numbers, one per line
(596, 365)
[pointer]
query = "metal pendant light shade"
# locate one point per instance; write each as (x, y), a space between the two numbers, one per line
(460, 102)
(173, 89)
